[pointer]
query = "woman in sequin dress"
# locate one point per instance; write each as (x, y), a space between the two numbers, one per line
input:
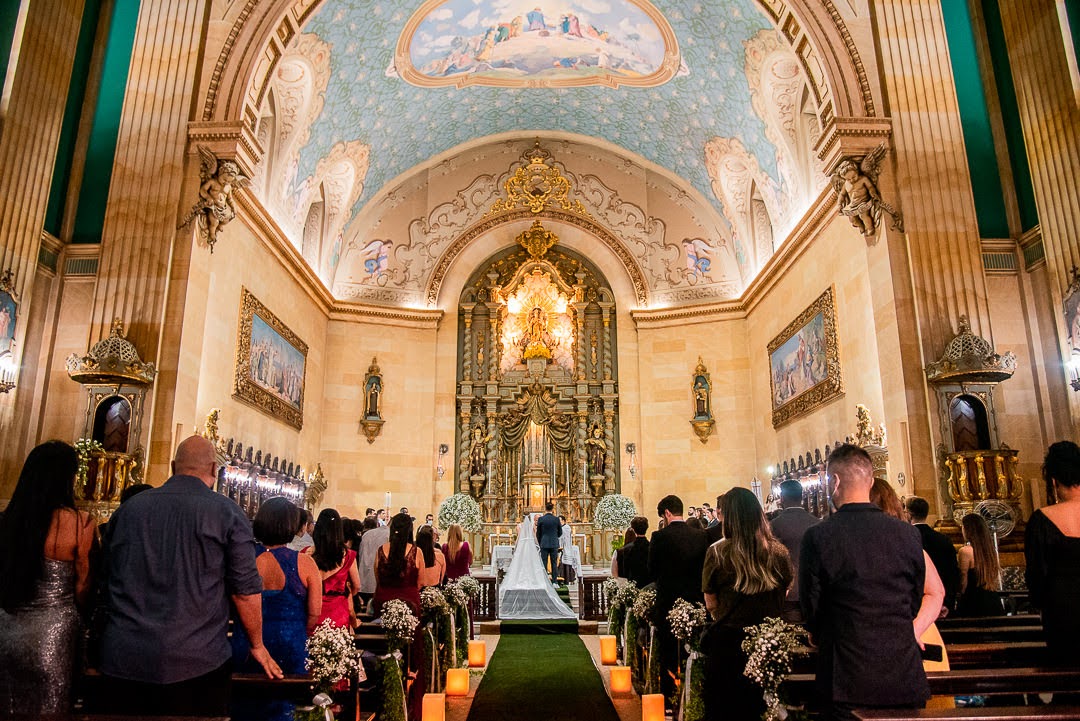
(45, 569)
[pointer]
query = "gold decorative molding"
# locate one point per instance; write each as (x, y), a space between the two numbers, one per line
(537, 184)
(537, 240)
(969, 358)
(703, 429)
(371, 428)
(112, 361)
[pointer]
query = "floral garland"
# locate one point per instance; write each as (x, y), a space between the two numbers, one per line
(458, 594)
(461, 509)
(687, 621)
(331, 655)
(614, 513)
(399, 623)
(85, 448)
(619, 598)
(393, 688)
(770, 646)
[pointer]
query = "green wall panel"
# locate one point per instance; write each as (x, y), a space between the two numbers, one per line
(975, 118)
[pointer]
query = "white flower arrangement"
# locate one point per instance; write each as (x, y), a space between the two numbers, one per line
(455, 596)
(614, 513)
(469, 586)
(687, 621)
(399, 623)
(643, 604)
(628, 595)
(332, 655)
(611, 590)
(461, 509)
(432, 601)
(770, 646)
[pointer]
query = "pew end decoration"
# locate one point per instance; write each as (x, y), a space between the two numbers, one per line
(332, 656)
(770, 646)
(688, 621)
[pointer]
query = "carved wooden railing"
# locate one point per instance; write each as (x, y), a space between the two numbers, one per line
(486, 604)
(976, 476)
(594, 605)
(98, 488)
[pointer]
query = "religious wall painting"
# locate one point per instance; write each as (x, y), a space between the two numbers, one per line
(271, 362)
(537, 43)
(1071, 306)
(804, 362)
(9, 308)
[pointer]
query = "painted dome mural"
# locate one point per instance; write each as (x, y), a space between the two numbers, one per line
(523, 43)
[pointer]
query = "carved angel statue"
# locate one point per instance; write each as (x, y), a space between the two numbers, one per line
(215, 207)
(857, 193)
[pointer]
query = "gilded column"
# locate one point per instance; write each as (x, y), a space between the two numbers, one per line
(138, 238)
(29, 134)
(605, 308)
(466, 361)
(463, 450)
(580, 342)
(932, 177)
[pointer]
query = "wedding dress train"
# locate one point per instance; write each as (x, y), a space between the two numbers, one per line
(526, 591)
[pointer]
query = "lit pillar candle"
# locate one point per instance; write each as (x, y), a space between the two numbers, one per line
(652, 707)
(477, 653)
(434, 708)
(620, 680)
(608, 652)
(457, 682)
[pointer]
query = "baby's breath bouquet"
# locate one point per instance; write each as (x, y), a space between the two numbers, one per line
(433, 602)
(770, 646)
(644, 601)
(469, 585)
(332, 655)
(619, 597)
(687, 621)
(399, 623)
(458, 594)
(614, 513)
(463, 510)
(455, 597)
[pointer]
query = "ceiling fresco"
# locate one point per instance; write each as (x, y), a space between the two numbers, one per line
(367, 99)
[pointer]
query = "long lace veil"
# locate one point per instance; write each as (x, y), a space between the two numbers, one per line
(526, 590)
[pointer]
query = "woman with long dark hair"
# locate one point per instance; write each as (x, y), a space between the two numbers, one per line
(980, 571)
(434, 571)
(45, 567)
(337, 564)
(397, 576)
(745, 580)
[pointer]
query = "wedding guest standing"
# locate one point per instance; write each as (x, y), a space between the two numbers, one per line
(636, 556)
(337, 566)
(745, 579)
(397, 576)
(861, 581)
(434, 571)
(1052, 549)
(789, 527)
(375, 536)
(45, 569)
(291, 605)
(457, 552)
(937, 546)
(618, 557)
(676, 556)
(980, 571)
(184, 548)
(303, 537)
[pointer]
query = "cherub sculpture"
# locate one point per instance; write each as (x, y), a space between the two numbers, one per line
(857, 193)
(215, 207)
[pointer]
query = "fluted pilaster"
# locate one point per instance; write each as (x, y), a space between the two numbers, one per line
(139, 231)
(30, 132)
(932, 174)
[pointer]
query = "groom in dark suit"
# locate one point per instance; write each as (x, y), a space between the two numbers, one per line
(676, 557)
(548, 531)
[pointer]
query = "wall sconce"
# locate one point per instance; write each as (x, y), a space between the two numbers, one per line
(443, 450)
(8, 370)
(631, 450)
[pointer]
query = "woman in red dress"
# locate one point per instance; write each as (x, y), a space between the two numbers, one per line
(457, 552)
(337, 564)
(397, 576)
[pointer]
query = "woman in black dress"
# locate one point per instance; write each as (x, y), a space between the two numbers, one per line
(980, 571)
(1052, 548)
(745, 581)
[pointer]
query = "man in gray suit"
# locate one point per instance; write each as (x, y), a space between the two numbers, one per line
(548, 532)
(789, 527)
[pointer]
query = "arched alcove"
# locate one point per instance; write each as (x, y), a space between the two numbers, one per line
(970, 427)
(112, 424)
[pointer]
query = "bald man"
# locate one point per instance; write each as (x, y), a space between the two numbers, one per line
(861, 577)
(175, 557)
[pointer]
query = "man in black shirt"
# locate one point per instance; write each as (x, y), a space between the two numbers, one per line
(789, 527)
(938, 546)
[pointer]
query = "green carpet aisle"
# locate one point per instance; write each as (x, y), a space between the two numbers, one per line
(541, 677)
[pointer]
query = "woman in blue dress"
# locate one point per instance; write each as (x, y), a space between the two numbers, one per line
(291, 603)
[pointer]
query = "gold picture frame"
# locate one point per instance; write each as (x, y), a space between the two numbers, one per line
(271, 363)
(804, 362)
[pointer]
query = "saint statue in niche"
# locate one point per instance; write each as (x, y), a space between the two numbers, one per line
(478, 452)
(372, 391)
(596, 450)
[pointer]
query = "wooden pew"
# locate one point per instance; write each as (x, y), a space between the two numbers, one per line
(1020, 619)
(972, 682)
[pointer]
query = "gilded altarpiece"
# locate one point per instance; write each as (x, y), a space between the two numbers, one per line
(537, 383)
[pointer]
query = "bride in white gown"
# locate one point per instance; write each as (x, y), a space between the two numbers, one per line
(526, 590)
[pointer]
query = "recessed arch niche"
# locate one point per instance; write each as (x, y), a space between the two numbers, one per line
(537, 380)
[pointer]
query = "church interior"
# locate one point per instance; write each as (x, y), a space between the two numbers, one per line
(531, 252)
